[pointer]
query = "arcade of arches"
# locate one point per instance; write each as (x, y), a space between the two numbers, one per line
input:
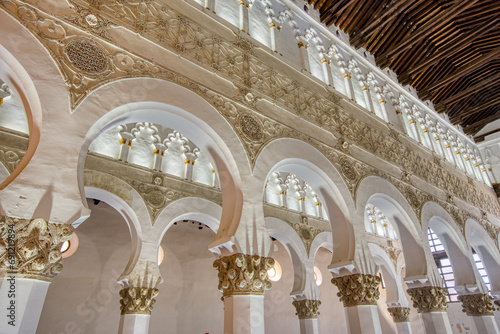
(223, 166)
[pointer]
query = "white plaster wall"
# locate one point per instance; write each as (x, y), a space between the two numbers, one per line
(84, 298)
(189, 301)
(332, 317)
(279, 312)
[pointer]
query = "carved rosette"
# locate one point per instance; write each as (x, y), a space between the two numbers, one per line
(358, 289)
(31, 248)
(400, 314)
(428, 299)
(476, 305)
(306, 308)
(241, 274)
(137, 300)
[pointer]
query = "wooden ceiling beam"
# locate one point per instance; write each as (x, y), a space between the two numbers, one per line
(475, 127)
(431, 26)
(466, 70)
(484, 105)
(471, 90)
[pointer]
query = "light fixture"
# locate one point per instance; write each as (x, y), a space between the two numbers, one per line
(161, 255)
(317, 276)
(69, 247)
(274, 274)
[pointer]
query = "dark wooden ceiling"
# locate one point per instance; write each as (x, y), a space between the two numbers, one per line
(448, 50)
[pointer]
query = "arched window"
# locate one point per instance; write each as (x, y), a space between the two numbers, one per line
(443, 264)
(480, 268)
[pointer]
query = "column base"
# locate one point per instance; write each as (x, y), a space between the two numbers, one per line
(21, 303)
(134, 324)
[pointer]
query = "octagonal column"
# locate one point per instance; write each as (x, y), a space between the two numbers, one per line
(401, 317)
(30, 258)
(430, 302)
(480, 311)
(138, 297)
(307, 311)
(242, 281)
(359, 293)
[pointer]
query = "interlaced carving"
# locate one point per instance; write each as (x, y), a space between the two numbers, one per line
(86, 56)
(34, 245)
(306, 308)
(358, 289)
(428, 299)
(241, 274)
(400, 314)
(137, 300)
(478, 304)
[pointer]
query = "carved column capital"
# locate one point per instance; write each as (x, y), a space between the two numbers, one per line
(497, 303)
(400, 314)
(31, 248)
(428, 299)
(358, 289)
(477, 304)
(306, 308)
(241, 274)
(137, 300)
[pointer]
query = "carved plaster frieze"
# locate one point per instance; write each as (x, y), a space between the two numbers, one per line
(84, 71)
(358, 289)
(31, 248)
(400, 314)
(10, 158)
(137, 300)
(428, 299)
(307, 309)
(241, 274)
(476, 305)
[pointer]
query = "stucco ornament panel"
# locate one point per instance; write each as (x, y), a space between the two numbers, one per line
(241, 274)
(400, 314)
(31, 248)
(156, 197)
(230, 59)
(428, 299)
(476, 305)
(306, 308)
(357, 289)
(10, 158)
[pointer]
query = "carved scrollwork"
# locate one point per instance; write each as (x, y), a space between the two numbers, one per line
(31, 248)
(476, 305)
(358, 289)
(306, 308)
(400, 314)
(137, 300)
(428, 299)
(241, 274)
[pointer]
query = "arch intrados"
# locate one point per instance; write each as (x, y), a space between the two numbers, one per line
(27, 77)
(385, 265)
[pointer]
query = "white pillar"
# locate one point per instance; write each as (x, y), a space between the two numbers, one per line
(485, 324)
(363, 319)
(304, 59)
(436, 322)
(274, 36)
(348, 86)
(244, 314)
(134, 324)
(309, 326)
(368, 100)
(327, 72)
(244, 26)
(403, 328)
(21, 304)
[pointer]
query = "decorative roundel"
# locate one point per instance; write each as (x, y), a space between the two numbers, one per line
(86, 56)
(251, 127)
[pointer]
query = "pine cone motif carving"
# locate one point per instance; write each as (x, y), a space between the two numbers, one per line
(307, 309)
(428, 299)
(478, 304)
(400, 314)
(358, 289)
(31, 248)
(241, 274)
(137, 300)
